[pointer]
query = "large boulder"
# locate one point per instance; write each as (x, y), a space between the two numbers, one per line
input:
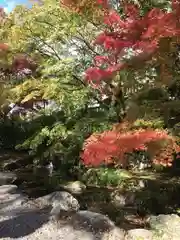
(37, 224)
(96, 228)
(58, 201)
(139, 234)
(90, 226)
(165, 227)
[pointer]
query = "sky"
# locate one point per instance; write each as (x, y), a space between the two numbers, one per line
(9, 5)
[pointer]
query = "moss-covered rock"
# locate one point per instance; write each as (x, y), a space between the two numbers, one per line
(165, 227)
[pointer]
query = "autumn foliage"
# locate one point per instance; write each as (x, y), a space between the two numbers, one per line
(18, 63)
(3, 47)
(112, 146)
(146, 36)
(91, 7)
(143, 34)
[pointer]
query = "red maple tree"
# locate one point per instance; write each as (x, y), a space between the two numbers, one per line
(143, 34)
(112, 146)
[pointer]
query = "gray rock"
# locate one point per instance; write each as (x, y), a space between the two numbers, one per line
(7, 178)
(20, 222)
(118, 199)
(76, 187)
(10, 199)
(100, 226)
(141, 183)
(4, 189)
(58, 231)
(36, 225)
(93, 219)
(165, 227)
(121, 199)
(59, 201)
(114, 234)
(143, 166)
(139, 234)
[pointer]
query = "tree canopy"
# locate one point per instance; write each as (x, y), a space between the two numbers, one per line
(106, 66)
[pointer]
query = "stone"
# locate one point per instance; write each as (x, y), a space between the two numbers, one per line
(141, 183)
(99, 225)
(7, 178)
(7, 189)
(143, 166)
(59, 201)
(13, 162)
(118, 199)
(67, 231)
(76, 187)
(165, 226)
(19, 222)
(114, 234)
(139, 234)
(10, 199)
(93, 219)
(121, 199)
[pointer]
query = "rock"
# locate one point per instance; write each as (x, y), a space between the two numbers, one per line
(63, 231)
(76, 187)
(114, 234)
(15, 162)
(100, 226)
(7, 189)
(7, 178)
(30, 224)
(11, 165)
(141, 183)
(118, 199)
(10, 199)
(166, 226)
(121, 199)
(18, 221)
(92, 219)
(143, 166)
(59, 201)
(22, 224)
(139, 234)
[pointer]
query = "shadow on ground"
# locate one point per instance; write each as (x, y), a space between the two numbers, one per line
(22, 224)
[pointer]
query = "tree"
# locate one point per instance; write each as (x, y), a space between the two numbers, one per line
(154, 34)
(56, 44)
(137, 43)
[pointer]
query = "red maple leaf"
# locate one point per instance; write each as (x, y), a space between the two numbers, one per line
(139, 32)
(100, 148)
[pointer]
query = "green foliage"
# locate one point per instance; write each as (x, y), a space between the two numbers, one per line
(106, 177)
(49, 34)
(9, 132)
(155, 123)
(61, 136)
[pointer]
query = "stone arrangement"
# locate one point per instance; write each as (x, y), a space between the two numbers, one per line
(58, 216)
